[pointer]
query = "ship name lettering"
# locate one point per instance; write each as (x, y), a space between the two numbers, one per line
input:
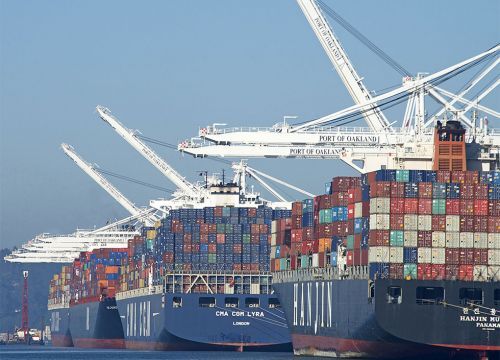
(474, 318)
(241, 323)
(255, 313)
(221, 313)
(237, 313)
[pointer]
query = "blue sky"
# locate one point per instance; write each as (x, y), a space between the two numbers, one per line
(169, 67)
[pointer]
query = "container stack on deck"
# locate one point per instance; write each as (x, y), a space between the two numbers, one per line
(97, 273)
(401, 224)
(59, 286)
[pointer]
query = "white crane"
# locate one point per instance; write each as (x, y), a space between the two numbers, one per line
(364, 149)
(185, 186)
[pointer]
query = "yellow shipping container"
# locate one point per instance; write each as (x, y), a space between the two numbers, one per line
(150, 234)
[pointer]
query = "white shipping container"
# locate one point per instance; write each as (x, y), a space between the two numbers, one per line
(494, 257)
(439, 239)
(410, 238)
(453, 239)
(358, 210)
(494, 273)
(481, 240)
(379, 222)
(254, 288)
(480, 273)
(378, 254)
(494, 240)
(274, 226)
(315, 260)
(396, 255)
(228, 289)
(424, 255)
(380, 205)
(273, 251)
(411, 222)
(425, 222)
(452, 222)
(273, 239)
(466, 240)
(438, 256)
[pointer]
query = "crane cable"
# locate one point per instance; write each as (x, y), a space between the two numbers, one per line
(127, 178)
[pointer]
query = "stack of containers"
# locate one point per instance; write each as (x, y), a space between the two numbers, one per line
(411, 224)
(97, 273)
(214, 239)
(59, 287)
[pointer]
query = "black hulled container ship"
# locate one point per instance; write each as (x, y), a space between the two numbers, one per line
(396, 263)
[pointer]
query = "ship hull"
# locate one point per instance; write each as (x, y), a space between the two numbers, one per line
(151, 322)
(59, 327)
(344, 318)
(97, 325)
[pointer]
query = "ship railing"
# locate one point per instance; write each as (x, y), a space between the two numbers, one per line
(147, 290)
(326, 273)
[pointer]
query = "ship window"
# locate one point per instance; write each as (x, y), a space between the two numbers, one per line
(429, 295)
(470, 296)
(207, 302)
(252, 302)
(497, 297)
(394, 295)
(274, 303)
(232, 302)
(177, 302)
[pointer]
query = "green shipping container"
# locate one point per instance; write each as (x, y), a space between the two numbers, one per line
(221, 228)
(350, 242)
(410, 271)
(282, 264)
(229, 228)
(304, 261)
(149, 244)
(226, 212)
(438, 206)
(403, 175)
(396, 238)
(212, 259)
(246, 238)
(325, 216)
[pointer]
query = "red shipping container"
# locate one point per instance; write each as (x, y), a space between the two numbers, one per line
(467, 191)
(452, 256)
(321, 259)
(296, 221)
(293, 262)
(438, 223)
(397, 221)
(365, 209)
(494, 207)
(380, 189)
(481, 207)
(466, 223)
(340, 199)
(379, 238)
(471, 177)
(284, 251)
(424, 206)
(296, 208)
(458, 176)
(494, 224)
(344, 183)
(425, 190)
(397, 205)
(466, 207)
(411, 206)
(358, 195)
(357, 241)
(325, 230)
(307, 233)
(350, 194)
(451, 272)
(221, 238)
(424, 238)
(295, 248)
(395, 271)
(466, 272)
(480, 256)
(350, 211)
(481, 192)
(397, 189)
(443, 176)
(424, 271)
(466, 256)
(350, 226)
(453, 207)
(296, 235)
(350, 257)
(438, 272)
(306, 247)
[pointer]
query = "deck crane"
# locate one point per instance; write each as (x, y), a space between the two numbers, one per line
(364, 149)
(91, 171)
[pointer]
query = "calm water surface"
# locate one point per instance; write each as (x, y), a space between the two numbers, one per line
(8, 352)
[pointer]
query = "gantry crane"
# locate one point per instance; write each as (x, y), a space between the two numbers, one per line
(364, 149)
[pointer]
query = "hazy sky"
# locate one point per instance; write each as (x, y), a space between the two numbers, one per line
(169, 67)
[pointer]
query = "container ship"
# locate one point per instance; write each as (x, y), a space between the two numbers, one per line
(197, 280)
(395, 263)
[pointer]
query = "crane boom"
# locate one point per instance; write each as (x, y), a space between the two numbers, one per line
(129, 136)
(353, 82)
(90, 170)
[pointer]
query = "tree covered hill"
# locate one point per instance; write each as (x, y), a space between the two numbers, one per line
(11, 290)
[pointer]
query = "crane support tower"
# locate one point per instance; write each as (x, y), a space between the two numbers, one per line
(25, 320)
